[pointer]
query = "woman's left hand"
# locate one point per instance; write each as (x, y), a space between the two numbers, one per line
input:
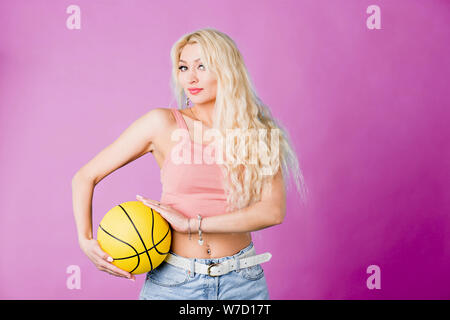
(176, 219)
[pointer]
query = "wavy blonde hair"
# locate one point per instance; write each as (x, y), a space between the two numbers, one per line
(237, 106)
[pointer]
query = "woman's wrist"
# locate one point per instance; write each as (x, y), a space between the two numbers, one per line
(83, 239)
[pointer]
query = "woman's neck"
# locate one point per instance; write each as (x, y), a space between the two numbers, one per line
(203, 113)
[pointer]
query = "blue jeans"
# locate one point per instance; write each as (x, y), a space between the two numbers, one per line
(168, 282)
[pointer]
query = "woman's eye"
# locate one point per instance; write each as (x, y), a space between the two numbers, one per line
(186, 67)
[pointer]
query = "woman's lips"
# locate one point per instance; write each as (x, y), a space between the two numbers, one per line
(194, 91)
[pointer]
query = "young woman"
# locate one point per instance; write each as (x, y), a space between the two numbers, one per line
(212, 207)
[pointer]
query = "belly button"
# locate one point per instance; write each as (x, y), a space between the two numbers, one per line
(209, 251)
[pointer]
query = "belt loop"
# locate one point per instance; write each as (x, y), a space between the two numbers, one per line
(192, 268)
(238, 264)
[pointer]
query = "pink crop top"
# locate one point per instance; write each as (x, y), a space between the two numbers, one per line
(192, 188)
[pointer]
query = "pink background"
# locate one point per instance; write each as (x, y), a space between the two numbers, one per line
(367, 111)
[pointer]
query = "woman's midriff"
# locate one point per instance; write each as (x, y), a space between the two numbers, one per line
(219, 244)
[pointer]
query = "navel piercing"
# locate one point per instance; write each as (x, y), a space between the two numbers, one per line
(200, 240)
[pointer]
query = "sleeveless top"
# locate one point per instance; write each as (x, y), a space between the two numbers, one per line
(192, 188)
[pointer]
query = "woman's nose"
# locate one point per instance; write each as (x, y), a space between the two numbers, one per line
(192, 76)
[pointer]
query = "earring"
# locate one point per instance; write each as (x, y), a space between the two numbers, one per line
(187, 101)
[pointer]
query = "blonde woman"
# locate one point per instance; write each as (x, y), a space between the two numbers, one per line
(213, 194)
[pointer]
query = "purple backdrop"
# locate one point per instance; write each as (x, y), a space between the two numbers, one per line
(367, 110)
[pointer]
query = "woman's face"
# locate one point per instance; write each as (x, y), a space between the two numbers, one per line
(192, 73)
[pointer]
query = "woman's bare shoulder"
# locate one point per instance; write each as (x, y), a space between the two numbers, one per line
(160, 119)
(161, 115)
(162, 122)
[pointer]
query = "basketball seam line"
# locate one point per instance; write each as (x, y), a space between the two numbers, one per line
(137, 231)
(123, 258)
(153, 240)
(125, 243)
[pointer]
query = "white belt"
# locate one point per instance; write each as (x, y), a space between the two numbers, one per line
(247, 259)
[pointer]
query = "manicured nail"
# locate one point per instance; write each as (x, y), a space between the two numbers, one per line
(110, 259)
(138, 196)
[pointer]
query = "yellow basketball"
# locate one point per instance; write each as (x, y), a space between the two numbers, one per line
(137, 237)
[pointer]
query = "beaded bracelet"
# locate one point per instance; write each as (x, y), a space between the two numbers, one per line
(200, 240)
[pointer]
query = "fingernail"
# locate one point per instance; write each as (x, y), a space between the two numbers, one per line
(131, 279)
(138, 196)
(110, 259)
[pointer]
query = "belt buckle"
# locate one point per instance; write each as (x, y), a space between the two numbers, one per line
(209, 269)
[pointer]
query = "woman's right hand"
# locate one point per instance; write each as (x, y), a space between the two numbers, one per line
(102, 260)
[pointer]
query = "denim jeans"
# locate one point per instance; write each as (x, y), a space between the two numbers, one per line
(168, 282)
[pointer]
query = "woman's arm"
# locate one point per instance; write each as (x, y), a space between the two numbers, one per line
(82, 191)
(270, 211)
(133, 143)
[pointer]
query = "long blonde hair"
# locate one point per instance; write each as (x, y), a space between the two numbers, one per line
(237, 106)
